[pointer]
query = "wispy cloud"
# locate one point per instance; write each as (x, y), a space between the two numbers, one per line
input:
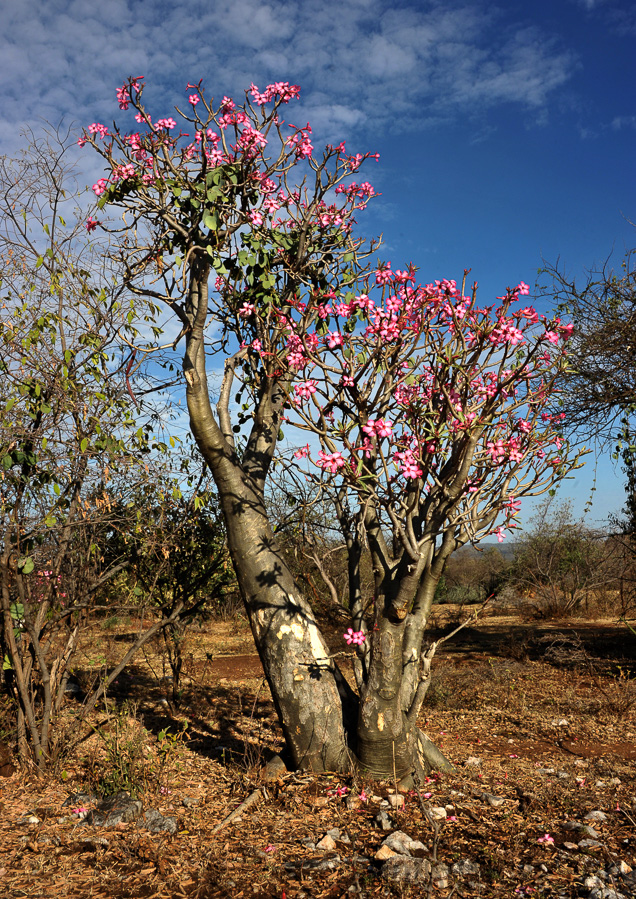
(623, 122)
(363, 64)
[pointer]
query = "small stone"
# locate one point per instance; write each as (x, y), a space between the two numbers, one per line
(440, 876)
(621, 869)
(399, 842)
(493, 801)
(334, 833)
(383, 821)
(473, 761)
(395, 800)
(589, 844)
(31, 819)
(406, 870)
(528, 869)
(155, 822)
(407, 783)
(274, 768)
(560, 722)
(384, 852)
(571, 846)
(546, 771)
(315, 865)
(599, 783)
(465, 868)
(327, 843)
(596, 815)
(615, 782)
(190, 801)
(94, 843)
(562, 775)
(438, 813)
(418, 849)
(592, 882)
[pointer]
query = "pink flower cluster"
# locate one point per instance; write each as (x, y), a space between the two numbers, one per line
(279, 90)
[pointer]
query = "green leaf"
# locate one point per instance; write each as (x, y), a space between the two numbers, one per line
(39, 261)
(26, 564)
(83, 445)
(6, 664)
(46, 229)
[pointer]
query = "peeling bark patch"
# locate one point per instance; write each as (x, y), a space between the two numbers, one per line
(380, 721)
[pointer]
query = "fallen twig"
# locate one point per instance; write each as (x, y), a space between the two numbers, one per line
(243, 807)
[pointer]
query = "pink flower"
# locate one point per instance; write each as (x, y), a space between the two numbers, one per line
(255, 218)
(501, 535)
(547, 839)
(96, 128)
(334, 340)
(194, 99)
(100, 186)
(356, 638)
(383, 428)
(522, 288)
(330, 462)
(91, 224)
(168, 124)
(363, 796)
(305, 389)
(302, 453)
(552, 336)
(246, 310)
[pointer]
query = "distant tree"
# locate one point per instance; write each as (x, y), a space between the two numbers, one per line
(561, 564)
(599, 386)
(76, 452)
(172, 536)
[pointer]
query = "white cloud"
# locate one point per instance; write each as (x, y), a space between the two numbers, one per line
(624, 121)
(358, 61)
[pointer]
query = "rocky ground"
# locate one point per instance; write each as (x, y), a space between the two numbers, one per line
(165, 801)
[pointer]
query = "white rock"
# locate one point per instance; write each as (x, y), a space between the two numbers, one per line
(438, 813)
(493, 801)
(473, 761)
(396, 800)
(384, 852)
(596, 815)
(327, 843)
(399, 842)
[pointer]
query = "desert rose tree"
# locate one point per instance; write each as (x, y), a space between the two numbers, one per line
(427, 409)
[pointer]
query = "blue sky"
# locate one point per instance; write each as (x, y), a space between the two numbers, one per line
(506, 132)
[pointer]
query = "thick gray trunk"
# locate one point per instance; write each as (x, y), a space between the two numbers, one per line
(310, 695)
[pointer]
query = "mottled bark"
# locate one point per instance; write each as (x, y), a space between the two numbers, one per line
(315, 705)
